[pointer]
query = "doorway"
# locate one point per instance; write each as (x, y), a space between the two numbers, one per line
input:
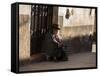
(41, 21)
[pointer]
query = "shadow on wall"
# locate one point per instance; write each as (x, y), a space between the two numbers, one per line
(79, 44)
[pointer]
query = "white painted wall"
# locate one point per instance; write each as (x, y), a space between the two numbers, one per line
(80, 16)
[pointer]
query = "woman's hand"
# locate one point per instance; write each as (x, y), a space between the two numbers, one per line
(60, 44)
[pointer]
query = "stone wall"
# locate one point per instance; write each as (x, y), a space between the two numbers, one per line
(74, 31)
(24, 31)
(77, 38)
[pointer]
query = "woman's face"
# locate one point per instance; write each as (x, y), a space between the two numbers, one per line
(55, 31)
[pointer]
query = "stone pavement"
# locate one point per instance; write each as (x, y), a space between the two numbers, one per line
(76, 60)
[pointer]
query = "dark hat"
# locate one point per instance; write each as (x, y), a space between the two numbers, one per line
(56, 26)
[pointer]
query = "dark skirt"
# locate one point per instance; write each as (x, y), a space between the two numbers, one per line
(59, 54)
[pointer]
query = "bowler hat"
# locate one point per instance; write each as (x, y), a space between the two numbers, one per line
(56, 26)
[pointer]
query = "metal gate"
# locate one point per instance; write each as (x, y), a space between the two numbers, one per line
(41, 19)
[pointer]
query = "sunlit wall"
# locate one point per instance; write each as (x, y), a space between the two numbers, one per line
(81, 21)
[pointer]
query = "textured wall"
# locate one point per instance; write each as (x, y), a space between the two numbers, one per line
(74, 31)
(24, 32)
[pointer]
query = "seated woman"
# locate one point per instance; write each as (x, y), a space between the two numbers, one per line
(53, 45)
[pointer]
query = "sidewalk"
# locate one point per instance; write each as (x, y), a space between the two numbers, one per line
(77, 60)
